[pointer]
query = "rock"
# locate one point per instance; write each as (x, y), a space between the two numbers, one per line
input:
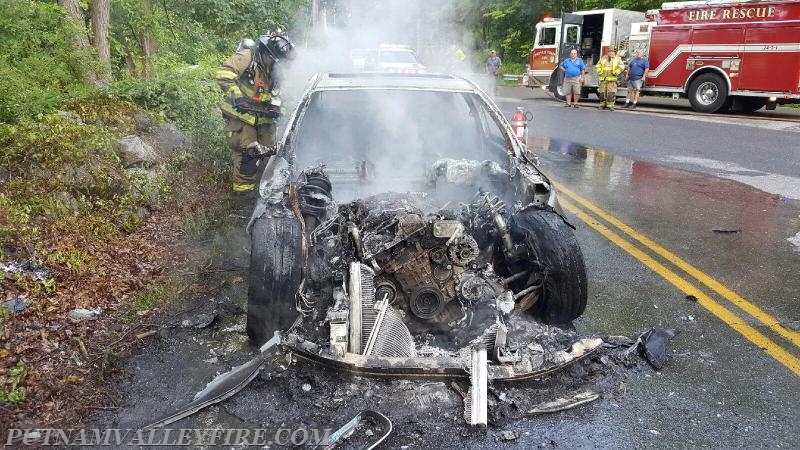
(66, 115)
(199, 321)
(69, 201)
(142, 122)
(133, 151)
(509, 435)
(369, 432)
(306, 387)
(17, 304)
(167, 139)
(82, 314)
(142, 213)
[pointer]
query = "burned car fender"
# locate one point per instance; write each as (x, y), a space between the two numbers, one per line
(273, 190)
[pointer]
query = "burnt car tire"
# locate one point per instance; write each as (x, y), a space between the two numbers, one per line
(275, 274)
(555, 247)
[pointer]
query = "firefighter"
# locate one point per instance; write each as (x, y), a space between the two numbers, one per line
(609, 68)
(251, 105)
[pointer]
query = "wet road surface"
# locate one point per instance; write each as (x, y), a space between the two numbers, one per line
(722, 389)
(743, 148)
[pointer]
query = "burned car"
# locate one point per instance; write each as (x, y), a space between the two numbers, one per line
(402, 229)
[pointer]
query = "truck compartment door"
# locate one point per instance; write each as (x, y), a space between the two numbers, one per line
(571, 25)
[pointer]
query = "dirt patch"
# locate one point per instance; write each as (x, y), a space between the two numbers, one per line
(60, 344)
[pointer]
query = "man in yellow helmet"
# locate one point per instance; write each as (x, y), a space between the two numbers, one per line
(251, 105)
(609, 69)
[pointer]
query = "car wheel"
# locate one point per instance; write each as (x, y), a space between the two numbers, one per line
(553, 244)
(276, 267)
(708, 93)
(555, 87)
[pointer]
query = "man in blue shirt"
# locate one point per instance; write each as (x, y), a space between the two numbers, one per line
(635, 73)
(573, 68)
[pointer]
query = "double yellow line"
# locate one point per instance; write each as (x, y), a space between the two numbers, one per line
(756, 337)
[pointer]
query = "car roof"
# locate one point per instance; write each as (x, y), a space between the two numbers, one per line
(377, 80)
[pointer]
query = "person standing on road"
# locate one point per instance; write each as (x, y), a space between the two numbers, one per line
(609, 69)
(493, 70)
(574, 69)
(636, 73)
(251, 105)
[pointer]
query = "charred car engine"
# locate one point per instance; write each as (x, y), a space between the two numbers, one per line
(391, 273)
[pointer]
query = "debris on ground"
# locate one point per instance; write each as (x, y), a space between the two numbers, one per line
(17, 304)
(564, 403)
(795, 241)
(27, 268)
(83, 314)
(653, 346)
(691, 298)
(509, 435)
(727, 230)
(223, 386)
(199, 321)
(349, 429)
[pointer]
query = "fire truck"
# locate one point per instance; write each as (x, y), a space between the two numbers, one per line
(720, 54)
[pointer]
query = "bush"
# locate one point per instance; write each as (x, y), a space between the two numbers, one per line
(513, 69)
(190, 99)
(38, 63)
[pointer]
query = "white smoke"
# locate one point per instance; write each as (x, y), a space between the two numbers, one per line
(399, 133)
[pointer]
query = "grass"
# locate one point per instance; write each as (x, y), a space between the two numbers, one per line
(197, 225)
(168, 291)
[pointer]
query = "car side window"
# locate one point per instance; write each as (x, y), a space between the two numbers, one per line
(494, 138)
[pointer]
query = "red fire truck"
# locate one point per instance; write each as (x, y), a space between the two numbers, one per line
(721, 54)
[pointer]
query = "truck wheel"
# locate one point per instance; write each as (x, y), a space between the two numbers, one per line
(708, 93)
(555, 87)
(552, 243)
(276, 267)
(748, 104)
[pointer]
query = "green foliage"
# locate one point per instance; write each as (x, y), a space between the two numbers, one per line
(11, 390)
(38, 61)
(508, 26)
(76, 261)
(633, 5)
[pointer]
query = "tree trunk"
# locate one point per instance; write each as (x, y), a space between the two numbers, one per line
(148, 43)
(75, 15)
(101, 16)
(130, 62)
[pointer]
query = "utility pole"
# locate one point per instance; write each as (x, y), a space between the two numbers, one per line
(314, 14)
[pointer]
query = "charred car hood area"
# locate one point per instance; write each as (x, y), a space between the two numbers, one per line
(402, 232)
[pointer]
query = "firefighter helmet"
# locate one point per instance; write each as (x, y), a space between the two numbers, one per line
(276, 46)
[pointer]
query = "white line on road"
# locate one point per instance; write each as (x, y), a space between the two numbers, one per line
(772, 183)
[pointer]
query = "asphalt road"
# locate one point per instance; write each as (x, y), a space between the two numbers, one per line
(646, 227)
(762, 149)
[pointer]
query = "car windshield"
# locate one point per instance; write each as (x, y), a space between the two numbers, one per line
(400, 133)
(397, 57)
